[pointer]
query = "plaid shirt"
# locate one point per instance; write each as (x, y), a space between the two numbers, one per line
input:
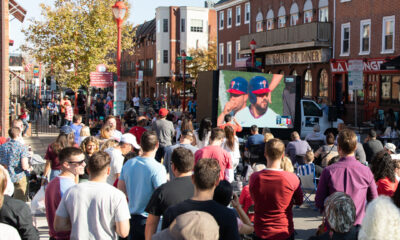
(11, 154)
(68, 113)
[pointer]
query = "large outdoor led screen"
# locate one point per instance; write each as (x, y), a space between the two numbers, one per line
(255, 99)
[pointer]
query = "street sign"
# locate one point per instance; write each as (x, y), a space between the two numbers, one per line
(120, 91)
(188, 58)
(101, 79)
(355, 74)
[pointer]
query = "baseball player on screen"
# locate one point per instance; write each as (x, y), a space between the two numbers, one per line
(238, 98)
(257, 112)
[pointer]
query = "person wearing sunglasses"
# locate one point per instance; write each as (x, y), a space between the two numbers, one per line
(72, 161)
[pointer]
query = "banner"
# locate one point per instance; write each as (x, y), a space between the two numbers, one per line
(101, 79)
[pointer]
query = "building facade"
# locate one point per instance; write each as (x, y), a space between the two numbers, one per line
(292, 38)
(373, 36)
(159, 43)
(138, 70)
(179, 29)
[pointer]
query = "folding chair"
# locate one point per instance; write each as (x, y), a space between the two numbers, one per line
(308, 181)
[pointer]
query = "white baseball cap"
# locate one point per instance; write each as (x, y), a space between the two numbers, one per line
(130, 139)
(391, 147)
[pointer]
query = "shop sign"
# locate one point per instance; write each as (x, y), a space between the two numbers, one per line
(355, 74)
(298, 57)
(369, 66)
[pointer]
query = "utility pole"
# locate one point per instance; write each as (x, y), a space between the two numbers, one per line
(4, 73)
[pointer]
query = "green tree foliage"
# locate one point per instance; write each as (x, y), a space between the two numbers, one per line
(75, 36)
(203, 60)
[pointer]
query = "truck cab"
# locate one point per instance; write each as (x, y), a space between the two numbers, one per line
(311, 114)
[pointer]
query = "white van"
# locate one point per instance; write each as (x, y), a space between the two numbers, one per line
(311, 114)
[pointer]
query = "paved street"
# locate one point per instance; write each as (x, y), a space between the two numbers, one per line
(306, 219)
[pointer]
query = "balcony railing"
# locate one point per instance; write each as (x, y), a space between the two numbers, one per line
(128, 73)
(148, 72)
(305, 35)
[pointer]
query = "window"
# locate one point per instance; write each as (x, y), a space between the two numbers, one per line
(323, 11)
(158, 26)
(345, 40)
(221, 20)
(308, 84)
(281, 17)
(388, 35)
(308, 11)
(237, 49)
(247, 13)
(183, 25)
(308, 16)
(323, 84)
(311, 109)
(221, 54)
(229, 20)
(150, 64)
(141, 64)
(238, 15)
(165, 56)
(196, 25)
(259, 20)
(294, 14)
(323, 14)
(229, 53)
(390, 87)
(270, 20)
(365, 36)
(165, 25)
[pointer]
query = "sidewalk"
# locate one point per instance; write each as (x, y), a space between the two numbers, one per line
(39, 146)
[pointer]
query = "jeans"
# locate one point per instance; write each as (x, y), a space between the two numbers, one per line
(26, 125)
(160, 153)
(138, 224)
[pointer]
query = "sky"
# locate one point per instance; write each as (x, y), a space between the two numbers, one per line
(141, 11)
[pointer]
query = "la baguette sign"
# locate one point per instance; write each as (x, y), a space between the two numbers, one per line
(369, 66)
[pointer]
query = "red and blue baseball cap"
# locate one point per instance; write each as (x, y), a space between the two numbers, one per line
(238, 85)
(259, 85)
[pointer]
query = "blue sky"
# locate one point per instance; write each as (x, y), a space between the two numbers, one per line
(141, 10)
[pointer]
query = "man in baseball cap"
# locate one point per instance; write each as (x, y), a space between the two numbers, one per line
(238, 98)
(126, 145)
(258, 113)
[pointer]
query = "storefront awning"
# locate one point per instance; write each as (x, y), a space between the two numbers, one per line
(393, 64)
(16, 10)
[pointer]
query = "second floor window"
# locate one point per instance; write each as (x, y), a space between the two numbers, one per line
(196, 25)
(229, 53)
(221, 54)
(237, 49)
(388, 34)
(270, 24)
(365, 35)
(345, 39)
(281, 21)
(183, 25)
(323, 14)
(308, 15)
(294, 19)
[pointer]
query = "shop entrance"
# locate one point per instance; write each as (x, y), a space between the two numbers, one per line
(371, 96)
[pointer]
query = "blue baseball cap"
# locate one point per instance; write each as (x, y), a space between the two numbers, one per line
(238, 85)
(259, 85)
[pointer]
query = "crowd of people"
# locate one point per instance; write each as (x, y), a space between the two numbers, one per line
(163, 179)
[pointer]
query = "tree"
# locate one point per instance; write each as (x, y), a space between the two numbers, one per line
(74, 37)
(203, 60)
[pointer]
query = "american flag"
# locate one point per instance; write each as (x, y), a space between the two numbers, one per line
(28, 67)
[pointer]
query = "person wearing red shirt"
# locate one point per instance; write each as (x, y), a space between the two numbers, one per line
(215, 151)
(138, 130)
(274, 192)
(236, 126)
(383, 168)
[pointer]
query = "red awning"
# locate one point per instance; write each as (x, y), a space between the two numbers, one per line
(16, 10)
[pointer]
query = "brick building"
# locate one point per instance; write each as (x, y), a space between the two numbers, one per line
(159, 43)
(292, 38)
(143, 57)
(371, 35)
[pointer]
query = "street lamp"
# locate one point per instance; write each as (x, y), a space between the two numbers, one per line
(119, 10)
(183, 55)
(253, 50)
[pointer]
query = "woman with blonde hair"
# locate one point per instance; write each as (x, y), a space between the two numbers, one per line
(89, 146)
(14, 213)
(85, 132)
(268, 136)
(110, 143)
(286, 165)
